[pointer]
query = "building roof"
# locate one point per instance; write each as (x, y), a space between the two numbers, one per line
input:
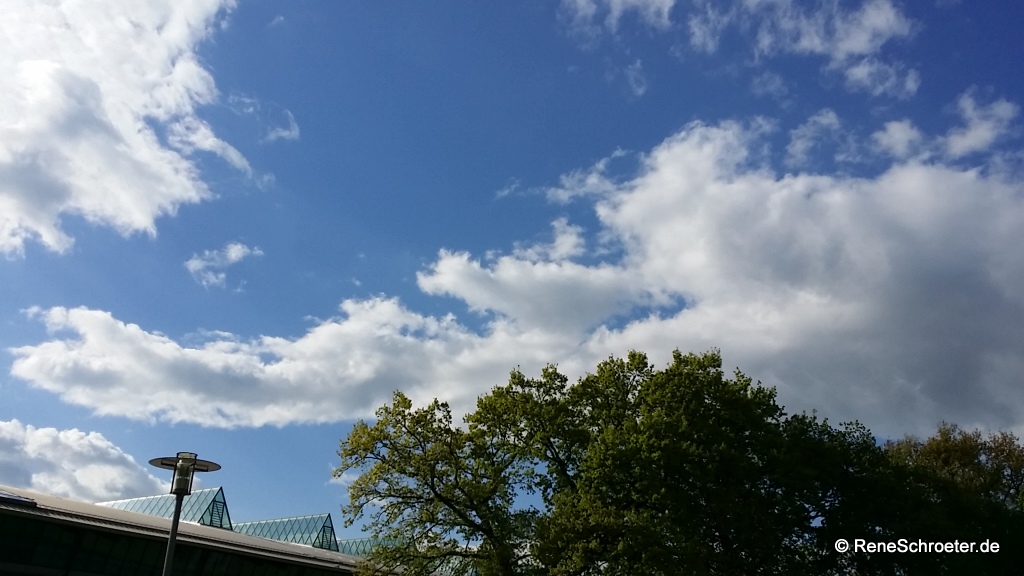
(360, 547)
(63, 510)
(316, 530)
(207, 507)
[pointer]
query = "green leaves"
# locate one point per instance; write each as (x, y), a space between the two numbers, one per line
(437, 497)
(681, 470)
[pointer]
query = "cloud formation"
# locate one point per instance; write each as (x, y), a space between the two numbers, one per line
(276, 122)
(70, 463)
(897, 299)
(594, 16)
(84, 86)
(208, 269)
(804, 138)
(289, 132)
(899, 138)
(852, 39)
(983, 125)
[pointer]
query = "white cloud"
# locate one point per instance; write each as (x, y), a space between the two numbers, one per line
(983, 125)
(208, 269)
(342, 368)
(899, 138)
(278, 123)
(589, 182)
(776, 26)
(784, 26)
(538, 287)
(290, 132)
(568, 243)
(896, 299)
(706, 26)
(70, 463)
(584, 14)
(823, 124)
(191, 134)
(511, 187)
(84, 84)
(881, 79)
(851, 39)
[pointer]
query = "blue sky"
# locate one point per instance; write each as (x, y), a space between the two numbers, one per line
(236, 227)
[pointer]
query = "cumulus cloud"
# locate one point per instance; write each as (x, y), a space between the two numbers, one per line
(84, 86)
(208, 269)
(983, 125)
(344, 367)
(896, 299)
(70, 463)
(899, 138)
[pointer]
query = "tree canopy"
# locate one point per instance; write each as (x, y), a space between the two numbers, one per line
(681, 470)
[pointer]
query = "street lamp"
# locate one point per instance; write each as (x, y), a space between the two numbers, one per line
(185, 465)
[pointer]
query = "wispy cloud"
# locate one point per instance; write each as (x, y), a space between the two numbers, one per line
(593, 181)
(592, 17)
(208, 269)
(636, 78)
(511, 187)
(275, 122)
(289, 132)
(803, 139)
(880, 79)
(706, 25)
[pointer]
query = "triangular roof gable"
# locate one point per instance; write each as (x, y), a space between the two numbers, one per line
(208, 507)
(316, 530)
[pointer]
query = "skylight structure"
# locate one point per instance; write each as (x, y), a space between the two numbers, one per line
(207, 507)
(316, 530)
(357, 546)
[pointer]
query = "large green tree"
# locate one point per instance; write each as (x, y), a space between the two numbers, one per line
(439, 498)
(639, 470)
(971, 487)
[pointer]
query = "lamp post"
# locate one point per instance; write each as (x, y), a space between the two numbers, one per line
(185, 465)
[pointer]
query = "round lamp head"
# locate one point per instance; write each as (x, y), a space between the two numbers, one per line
(185, 465)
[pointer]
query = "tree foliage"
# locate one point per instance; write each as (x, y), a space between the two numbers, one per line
(682, 470)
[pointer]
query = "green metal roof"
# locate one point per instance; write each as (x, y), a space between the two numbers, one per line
(207, 507)
(316, 530)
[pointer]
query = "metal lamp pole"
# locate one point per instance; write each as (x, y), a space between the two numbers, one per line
(185, 465)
